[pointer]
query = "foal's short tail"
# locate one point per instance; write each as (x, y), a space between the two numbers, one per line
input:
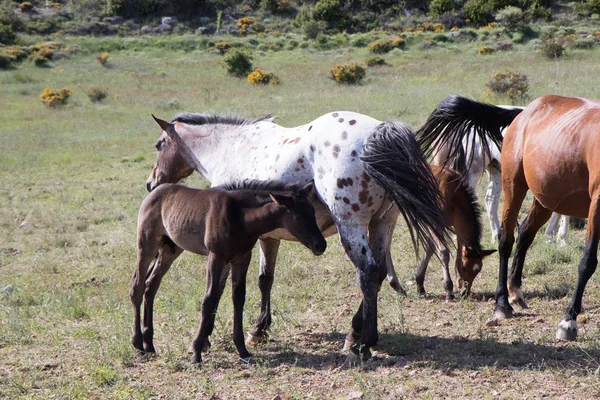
(392, 157)
(457, 118)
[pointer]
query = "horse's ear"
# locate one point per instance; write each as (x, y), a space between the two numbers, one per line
(307, 189)
(282, 200)
(485, 253)
(164, 125)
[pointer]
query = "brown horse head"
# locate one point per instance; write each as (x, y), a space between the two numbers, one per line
(471, 261)
(171, 165)
(299, 209)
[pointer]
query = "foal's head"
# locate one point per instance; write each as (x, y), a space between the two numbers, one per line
(299, 218)
(471, 261)
(171, 166)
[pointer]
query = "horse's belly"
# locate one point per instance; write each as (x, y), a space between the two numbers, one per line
(562, 198)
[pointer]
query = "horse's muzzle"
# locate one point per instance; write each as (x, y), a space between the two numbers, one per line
(319, 248)
(149, 186)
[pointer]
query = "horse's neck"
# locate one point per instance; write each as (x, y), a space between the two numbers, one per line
(262, 219)
(222, 149)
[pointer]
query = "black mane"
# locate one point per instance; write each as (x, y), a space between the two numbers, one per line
(203, 119)
(254, 185)
(475, 209)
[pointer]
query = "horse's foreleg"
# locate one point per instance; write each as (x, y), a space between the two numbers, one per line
(162, 265)
(214, 270)
(537, 217)
(268, 256)
(567, 329)
(492, 198)
(422, 270)
(239, 271)
(448, 285)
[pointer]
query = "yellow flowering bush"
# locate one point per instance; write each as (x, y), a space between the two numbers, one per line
(55, 98)
(248, 24)
(26, 6)
(486, 50)
(385, 46)
(260, 77)
(347, 73)
(45, 50)
(223, 47)
(102, 58)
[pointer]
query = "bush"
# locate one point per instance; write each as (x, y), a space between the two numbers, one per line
(385, 46)
(55, 98)
(102, 59)
(583, 44)
(6, 60)
(478, 11)
(553, 48)
(503, 45)
(509, 83)
(96, 94)
(453, 20)
(238, 63)
(486, 50)
(347, 73)
(260, 77)
(26, 6)
(511, 17)
(330, 11)
(248, 25)
(439, 7)
(7, 36)
(312, 29)
(374, 61)
(223, 47)
(40, 61)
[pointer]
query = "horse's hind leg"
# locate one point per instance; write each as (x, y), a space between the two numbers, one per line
(551, 228)
(239, 271)
(167, 257)
(147, 252)
(563, 229)
(537, 217)
(268, 256)
(212, 295)
(422, 270)
(567, 329)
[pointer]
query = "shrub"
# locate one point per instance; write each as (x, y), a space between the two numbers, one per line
(260, 77)
(511, 17)
(312, 29)
(26, 6)
(583, 44)
(478, 11)
(486, 50)
(7, 36)
(102, 59)
(553, 48)
(238, 63)
(55, 98)
(439, 7)
(330, 11)
(360, 41)
(453, 20)
(503, 45)
(223, 47)
(509, 83)
(40, 61)
(374, 61)
(385, 46)
(248, 25)
(269, 5)
(6, 60)
(347, 73)
(96, 94)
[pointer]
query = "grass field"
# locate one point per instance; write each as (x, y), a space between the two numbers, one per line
(73, 179)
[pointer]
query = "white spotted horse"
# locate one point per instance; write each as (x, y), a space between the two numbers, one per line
(551, 148)
(366, 173)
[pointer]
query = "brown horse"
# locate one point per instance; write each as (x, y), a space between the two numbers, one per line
(221, 223)
(551, 148)
(460, 205)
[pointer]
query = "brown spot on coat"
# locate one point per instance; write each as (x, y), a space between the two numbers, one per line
(312, 148)
(363, 196)
(285, 141)
(310, 127)
(366, 177)
(346, 200)
(354, 153)
(300, 160)
(341, 120)
(335, 115)
(355, 207)
(344, 135)
(350, 181)
(341, 183)
(295, 140)
(352, 122)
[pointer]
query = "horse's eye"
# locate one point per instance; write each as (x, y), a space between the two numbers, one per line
(158, 144)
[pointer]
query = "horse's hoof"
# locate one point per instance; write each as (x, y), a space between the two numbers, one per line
(246, 360)
(395, 284)
(348, 344)
(196, 360)
(252, 339)
(503, 313)
(567, 330)
(449, 297)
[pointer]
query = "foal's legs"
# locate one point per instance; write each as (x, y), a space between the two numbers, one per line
(239, 270)
(212, 294)
(537, 217)
(161, 266)
(268, 256)
(567, 329)
(515, 188)
(492, 198)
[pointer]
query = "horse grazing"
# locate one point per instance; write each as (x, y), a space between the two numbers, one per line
(551, 147)
(460, 205)
(366, 173)
(223, 224)
(487, 160)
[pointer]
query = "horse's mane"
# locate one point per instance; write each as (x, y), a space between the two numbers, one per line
(210, 118)
(255, 185)
(475, 209)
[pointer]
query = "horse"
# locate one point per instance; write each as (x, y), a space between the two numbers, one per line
(366, 174)
(460, 205)
(551, 148)
(224, 224)
(488, 160)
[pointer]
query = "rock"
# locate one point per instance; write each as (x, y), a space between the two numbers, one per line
(355, 396)
(8, 289)
(113, 20)
(162, 29)
(492, 322)
(145, 30)
(205, 20)
(204, 30)
(168, 20)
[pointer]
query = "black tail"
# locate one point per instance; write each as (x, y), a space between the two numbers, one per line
(391, 156)
(458, 117)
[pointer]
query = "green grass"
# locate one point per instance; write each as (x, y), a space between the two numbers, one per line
(72, 181)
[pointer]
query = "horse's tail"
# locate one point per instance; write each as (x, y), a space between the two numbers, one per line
(392, 157)
(457, 118)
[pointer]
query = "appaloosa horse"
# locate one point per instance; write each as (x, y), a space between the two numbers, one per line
(552, 148)
(460, 205)
(221, 223)
(366, 173)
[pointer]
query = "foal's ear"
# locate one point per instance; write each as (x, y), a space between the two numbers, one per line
(282, 200)
(307, 189)
(164, 125)
(485, 253)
